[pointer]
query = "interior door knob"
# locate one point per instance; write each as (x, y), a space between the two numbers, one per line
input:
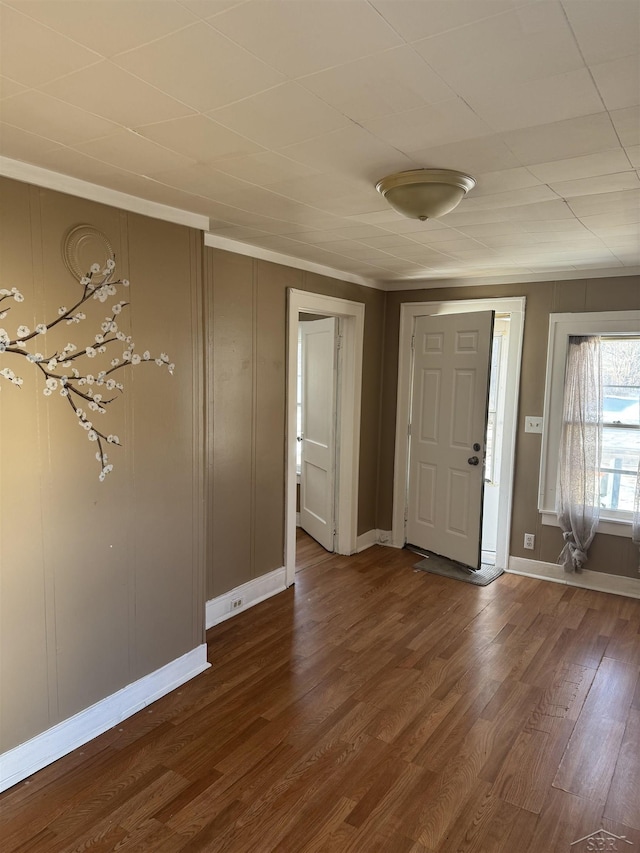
(473, 460)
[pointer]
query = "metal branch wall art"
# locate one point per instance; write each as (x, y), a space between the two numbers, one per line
(66, 371)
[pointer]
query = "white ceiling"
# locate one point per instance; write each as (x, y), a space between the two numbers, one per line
(275, 119)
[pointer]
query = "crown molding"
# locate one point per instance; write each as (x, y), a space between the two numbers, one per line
(216, 242)
(20, 171)
(479, 281)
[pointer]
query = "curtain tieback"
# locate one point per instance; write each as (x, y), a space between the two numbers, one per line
(576, 555)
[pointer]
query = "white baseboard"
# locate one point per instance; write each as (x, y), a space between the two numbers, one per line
(297, 519)
(373, 537)
(614, 584)
(250, 593)
(24, 760)
(366, 540)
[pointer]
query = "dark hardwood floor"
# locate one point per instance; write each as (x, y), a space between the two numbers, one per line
(308, 551)
(375, 709)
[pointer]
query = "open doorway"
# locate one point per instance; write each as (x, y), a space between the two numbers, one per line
(347, 427)
(505, 420)
(317, 416)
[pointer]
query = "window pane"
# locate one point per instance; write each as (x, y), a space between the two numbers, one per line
(619, 466)
(621, 380)
(621, 405)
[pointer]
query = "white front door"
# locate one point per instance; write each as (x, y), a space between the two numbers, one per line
(318, 396)
(452, 355)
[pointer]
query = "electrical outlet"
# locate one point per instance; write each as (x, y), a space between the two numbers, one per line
(533, 423)
(236, 603)
(529, 541)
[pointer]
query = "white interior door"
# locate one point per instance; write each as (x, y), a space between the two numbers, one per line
(452, 354)
(317, 474)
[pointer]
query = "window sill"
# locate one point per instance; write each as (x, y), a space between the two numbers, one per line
(610, 526)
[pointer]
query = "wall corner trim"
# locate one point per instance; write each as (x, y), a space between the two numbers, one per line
(598, 581)
(373, 537)
(27, 758)
(250, 593)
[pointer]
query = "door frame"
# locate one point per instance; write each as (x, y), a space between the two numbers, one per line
(349, 392)
(513, 305)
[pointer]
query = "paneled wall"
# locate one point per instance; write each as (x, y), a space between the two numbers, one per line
(246, 305)
(100, 583)
(610, 554)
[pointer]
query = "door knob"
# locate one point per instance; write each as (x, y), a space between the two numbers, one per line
(473, 460)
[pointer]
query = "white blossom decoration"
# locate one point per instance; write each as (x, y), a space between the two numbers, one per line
(63, 370)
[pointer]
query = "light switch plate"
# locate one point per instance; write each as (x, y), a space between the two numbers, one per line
(533, 423)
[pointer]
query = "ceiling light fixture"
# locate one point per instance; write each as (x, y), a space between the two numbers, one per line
(425, 193)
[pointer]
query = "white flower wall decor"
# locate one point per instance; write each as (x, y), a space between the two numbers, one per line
(66, 370)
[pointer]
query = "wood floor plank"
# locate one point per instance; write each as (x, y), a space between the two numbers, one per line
(563, 699)
(371, 708)
(564, 819)
(635, 702)
(612, 690)
(151, 835)
(315, 826)
(385, 815)
(431, 811)
(623, 802)
(129, 807)
(517, 701)
(629, 833)
(623, 645)
(444, 742)
(530, 767)
(489, 825)
(589, 761)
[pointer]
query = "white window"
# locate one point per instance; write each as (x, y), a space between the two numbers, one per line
(620, 350)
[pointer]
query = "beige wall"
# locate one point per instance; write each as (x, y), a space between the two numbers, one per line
(610, 554)
(100, 583)
(246, 310)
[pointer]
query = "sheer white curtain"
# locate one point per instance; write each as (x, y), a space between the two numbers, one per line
(578, 504)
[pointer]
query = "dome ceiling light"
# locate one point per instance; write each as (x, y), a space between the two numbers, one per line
(425, 193)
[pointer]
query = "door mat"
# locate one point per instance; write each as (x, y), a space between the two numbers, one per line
(436, 565)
